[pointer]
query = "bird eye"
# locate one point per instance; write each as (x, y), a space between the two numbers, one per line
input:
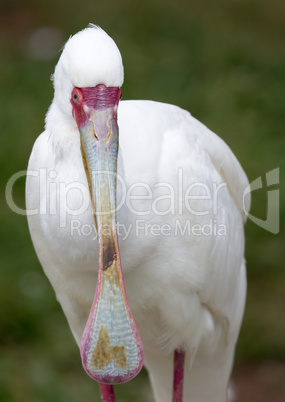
(76, 96)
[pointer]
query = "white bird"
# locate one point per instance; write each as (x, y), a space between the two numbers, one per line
(179, 219)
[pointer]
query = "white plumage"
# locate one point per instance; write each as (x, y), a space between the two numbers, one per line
(184, 289)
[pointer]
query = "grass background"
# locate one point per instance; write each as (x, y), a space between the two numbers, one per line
(225, 62)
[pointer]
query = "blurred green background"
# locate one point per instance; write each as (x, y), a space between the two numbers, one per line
(222, 60)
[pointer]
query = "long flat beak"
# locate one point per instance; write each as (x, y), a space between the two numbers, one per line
(111, 348)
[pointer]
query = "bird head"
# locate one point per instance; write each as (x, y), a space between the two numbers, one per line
(89, 58)
(87, 83)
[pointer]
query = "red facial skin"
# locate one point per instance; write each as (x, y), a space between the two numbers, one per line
(99, 97)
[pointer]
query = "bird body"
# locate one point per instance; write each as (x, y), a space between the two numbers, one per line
(180, 229)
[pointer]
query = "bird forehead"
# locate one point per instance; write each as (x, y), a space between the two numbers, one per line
(90, 58)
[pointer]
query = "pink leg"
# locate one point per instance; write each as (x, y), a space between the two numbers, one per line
(107, 393)
(179, 357)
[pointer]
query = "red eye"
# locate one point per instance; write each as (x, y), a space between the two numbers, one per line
(76, 96)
